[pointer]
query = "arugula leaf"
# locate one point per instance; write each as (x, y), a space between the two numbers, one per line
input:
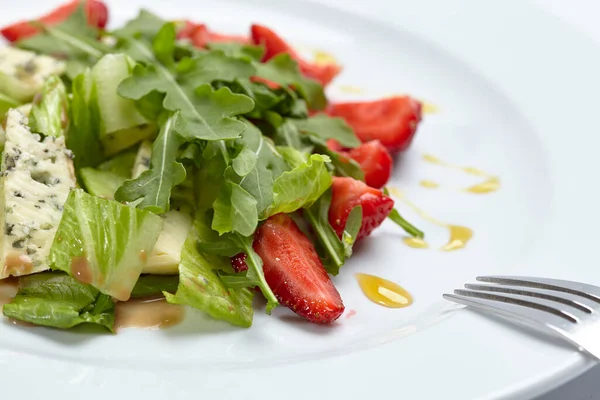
(200, 285)
(154, 186)
(146, 24)
(74, 40)
(235, 210)
(50, 112)
(343, 166)
(284, 70)
(325, 127)
(59, 301)
(245, 162)
(103, 243)
(353, 224)
(255, 270)
(300, 187)
(269, 165)
(395, 216)
(207, 113)
(332, 250)
(239, 50)
(153, 285)
(213, 66)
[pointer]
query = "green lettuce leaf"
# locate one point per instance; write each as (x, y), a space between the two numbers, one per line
(343, 166)
(300, 187)
(200, 285)
(60, 301)
(235, 210)
(146, 24)
(282, 69)
(207, 113)
(239, 50)
(6, 103)
(213, 66)
(102, 184)
(74, 40)
(154, 285)
(324, 127)
(104, 243)
(84, 132)
(50, 112)
(154, 186)
(353, 224)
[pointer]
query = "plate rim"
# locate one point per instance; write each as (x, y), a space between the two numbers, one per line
(573, 363)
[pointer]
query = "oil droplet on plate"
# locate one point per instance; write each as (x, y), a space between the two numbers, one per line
(416, 243)
(323, 58)
(428, 108)
(429, 184)
(384, 292)
(459, 235)
(491, 184)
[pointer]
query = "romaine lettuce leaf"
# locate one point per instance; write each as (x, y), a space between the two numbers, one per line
(200, 285)
(58, 300)
(6, 103)
(50, 112)
(102, 184)
(104, 243)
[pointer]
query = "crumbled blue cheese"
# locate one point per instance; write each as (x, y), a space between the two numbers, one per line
(36, 177)
(22, 73)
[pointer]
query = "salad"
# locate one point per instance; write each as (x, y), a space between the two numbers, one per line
(162, 158)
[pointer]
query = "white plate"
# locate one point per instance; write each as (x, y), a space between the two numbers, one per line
(517, 92)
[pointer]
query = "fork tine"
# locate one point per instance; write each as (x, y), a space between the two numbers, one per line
(581, 289)
(521, 311)
(567, 298)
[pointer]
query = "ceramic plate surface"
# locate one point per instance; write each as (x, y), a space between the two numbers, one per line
(516, 93)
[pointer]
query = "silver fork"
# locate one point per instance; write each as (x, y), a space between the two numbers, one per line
(568, 309)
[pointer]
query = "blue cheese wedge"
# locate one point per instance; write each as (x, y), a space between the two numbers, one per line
(166, 256)
(22, 73)
(36, 177)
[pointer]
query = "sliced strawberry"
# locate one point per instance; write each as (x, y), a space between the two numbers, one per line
(96, 10)
(274, 45)
(392, 121)
(348, 193)
(375, 161)
(294, 271)
(238, 262)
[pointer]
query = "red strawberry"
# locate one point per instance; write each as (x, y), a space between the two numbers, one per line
(96, 10)
(274, 45)
(348, 193)
(393, 121)
(200, 35)
(294, 271)
(238, 262)
(375, 161)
